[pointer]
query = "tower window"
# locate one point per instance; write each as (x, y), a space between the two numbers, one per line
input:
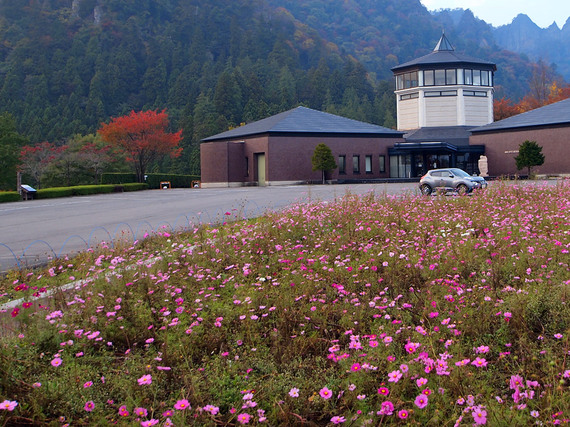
(429, 79)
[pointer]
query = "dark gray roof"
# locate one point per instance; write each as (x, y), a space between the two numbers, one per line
(456, 135)
(305, 120)
(552, 114)
(444, 55)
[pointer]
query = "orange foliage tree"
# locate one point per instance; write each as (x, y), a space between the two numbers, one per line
(143, 137)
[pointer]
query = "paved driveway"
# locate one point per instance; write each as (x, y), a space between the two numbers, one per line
(32, 231)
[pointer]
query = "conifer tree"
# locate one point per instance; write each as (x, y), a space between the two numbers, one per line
(530, 155)
(323, 159)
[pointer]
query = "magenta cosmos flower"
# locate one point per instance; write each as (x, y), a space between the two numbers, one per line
(89, 406)
(383, 391)
(325, 393)
(182, 404)
(403, 414)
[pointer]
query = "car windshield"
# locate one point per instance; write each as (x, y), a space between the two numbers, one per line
(460, 172)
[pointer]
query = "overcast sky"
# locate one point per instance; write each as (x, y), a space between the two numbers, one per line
(501, 12)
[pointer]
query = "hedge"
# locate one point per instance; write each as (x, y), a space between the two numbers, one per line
(118, 178)
(152, 179)
(9, 196)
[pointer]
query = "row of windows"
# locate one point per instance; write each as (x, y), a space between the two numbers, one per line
(368, 159)
(445, 78)
(435, 93)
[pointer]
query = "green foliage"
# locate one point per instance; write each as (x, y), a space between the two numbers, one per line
(11, 142)
(9, 196)
(83, 190)
(530, 155)
(51, 193)
(322, 159)
(176, 181)
(153, 180)
(118, 178)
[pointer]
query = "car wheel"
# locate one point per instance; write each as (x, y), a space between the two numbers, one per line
(426, 190)
(462, 189)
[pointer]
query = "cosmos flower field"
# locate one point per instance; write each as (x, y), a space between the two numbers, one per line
(370, 310)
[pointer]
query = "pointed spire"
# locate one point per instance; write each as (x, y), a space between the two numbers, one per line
(443, 44)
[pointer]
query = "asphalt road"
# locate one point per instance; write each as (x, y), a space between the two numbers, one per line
(33, 231)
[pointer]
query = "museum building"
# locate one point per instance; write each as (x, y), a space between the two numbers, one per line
(444, 119)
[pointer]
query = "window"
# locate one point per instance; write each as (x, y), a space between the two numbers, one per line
(407, 80)
(484, 78)
(477, 77)
(479, 93)
(342, 164)
(368, 164)
(468, 78)
(451, 77)
(429, 79)
(382, 163)
(356, 163)
(247, 166)
(409, 96)
(435, 93)
(440, 77)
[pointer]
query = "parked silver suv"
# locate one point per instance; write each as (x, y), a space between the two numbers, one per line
(450, 179)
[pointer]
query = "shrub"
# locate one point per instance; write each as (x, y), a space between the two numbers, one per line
(50, 193)
(9, 196)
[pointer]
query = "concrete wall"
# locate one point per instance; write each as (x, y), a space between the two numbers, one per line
(502, 147)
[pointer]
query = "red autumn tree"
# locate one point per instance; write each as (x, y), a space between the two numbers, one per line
(503, 108)
(143, 137)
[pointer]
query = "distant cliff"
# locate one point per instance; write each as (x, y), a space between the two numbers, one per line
(551, 44)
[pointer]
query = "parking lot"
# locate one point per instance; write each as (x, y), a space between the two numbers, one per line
(34, 230)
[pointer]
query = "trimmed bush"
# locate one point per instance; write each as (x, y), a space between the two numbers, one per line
(51, 193)
(152, 179)
(137, 186)
(9, 196)
(118, 178)
(84, 190)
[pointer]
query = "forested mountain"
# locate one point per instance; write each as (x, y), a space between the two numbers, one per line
(68, 65)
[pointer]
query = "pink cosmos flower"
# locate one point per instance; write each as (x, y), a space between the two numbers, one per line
(141, 412)
(387, 408)
(338, 420)
(394, 376)
(56, 362)
(8, 405)
(243, 418)
(325, 393)
(383, 391)
(355, 367)
(479, 416)
(123, 411)
(149, 423)
(421, 401)
(294, 392)
(182, 404)
(479, 362)
(145, 380)
(403, 414)
(89, 406)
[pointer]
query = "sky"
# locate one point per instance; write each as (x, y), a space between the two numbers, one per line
(501, 12)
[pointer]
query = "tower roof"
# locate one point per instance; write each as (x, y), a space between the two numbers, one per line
(443, 44)
(443, 55)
